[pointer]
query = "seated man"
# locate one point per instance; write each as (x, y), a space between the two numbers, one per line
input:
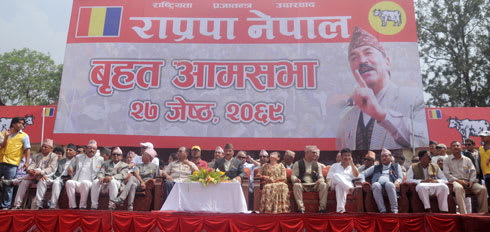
(143, 173)
(430, 181)
(110, 177)
(179, 170)
(56, 180)
(307, 176)
(218, 154)
(462, 173)
(83, 171)
(340, 177)
(42, 164)
(387, 176)
(369, 159)
(288, 160)
(232, 167)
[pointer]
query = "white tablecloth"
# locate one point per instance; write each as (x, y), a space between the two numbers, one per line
(216, 198)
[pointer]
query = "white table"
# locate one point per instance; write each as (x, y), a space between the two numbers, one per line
(216, 198)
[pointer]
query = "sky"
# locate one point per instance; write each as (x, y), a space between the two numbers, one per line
(40, 25)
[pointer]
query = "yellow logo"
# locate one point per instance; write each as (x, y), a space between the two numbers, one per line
(387, 18)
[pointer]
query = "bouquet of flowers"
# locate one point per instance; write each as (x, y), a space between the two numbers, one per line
(206, 177)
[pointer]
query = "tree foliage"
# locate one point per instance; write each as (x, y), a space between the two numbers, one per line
(455, 51)
(29, 78)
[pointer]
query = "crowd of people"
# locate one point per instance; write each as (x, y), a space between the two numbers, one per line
(90, 170)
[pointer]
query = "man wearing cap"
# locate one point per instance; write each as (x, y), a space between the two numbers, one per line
(179, 170)
(55, 180)
(485, 157)
(288, 160)
(459, 170)
(110, 178)
(307, 176)
(43, 163)
(387, 176)
(430, 181)
(218, 154)
(14, 146)
(196, 157)
(232, 167)
(369, 159)
(378, 113)
(441, 153)
(83, 171)
(432, 148)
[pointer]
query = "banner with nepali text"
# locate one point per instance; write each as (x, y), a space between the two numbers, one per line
(258, 74)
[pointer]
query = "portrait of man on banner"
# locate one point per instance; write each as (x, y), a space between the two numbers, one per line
(379, 113)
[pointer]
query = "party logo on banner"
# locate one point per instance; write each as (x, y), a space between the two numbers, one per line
(387, 18)
(99, 22)
(468, 127)
(5, 122)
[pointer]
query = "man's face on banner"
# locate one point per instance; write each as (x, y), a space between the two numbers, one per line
(372, 65)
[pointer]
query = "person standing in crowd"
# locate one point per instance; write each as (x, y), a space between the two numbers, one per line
(484, 152)
(43, 163)
(369, 159)
(441, 153)
(472, 153)
(83, 171)
(14, 146)
(105, 153)
(387, 176)
(459, 170)
(110, 178)
(288, 160)
(275, 192)
(440, 163)
(340, 177)
(338, 158)
(56, 180)
(232, 167)
(433, 148)
(430, 181)
(308, 176)
(218, 154)
(177, 171)
(144, 172)
(59, 151)
(196, 158)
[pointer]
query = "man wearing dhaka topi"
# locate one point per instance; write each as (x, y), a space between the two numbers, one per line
(378, 113)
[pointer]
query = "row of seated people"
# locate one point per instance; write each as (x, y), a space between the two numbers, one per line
(426, 187)
(343, 179)
(83, 175)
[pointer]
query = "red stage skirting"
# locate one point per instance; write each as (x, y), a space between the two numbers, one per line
(70, 220)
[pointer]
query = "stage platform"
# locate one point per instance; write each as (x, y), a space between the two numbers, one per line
(101, 220)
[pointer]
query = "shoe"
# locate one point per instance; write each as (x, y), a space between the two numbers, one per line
(322, 211)
(130, 208)
(118, 201)
(16, 207)
(302, 211)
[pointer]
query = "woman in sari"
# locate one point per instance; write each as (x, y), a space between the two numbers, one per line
(275, 193)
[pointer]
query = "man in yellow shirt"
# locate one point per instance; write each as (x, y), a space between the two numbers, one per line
(485, 157)
(15, 145)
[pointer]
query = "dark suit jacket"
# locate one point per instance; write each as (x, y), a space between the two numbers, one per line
(468, 154)
(236, 168)
(60, 169)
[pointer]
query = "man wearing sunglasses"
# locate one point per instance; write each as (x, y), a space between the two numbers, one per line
(441, 153)
(368, 161)
(472, 153)
(110, 178)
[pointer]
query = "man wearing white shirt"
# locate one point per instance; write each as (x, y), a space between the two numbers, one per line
(177, 171)
(430, 181)
(340, 177)
(83, 171)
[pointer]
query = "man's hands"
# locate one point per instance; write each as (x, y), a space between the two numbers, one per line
(238, 178)
(397, 185)
(365, 99)
(70, 171)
